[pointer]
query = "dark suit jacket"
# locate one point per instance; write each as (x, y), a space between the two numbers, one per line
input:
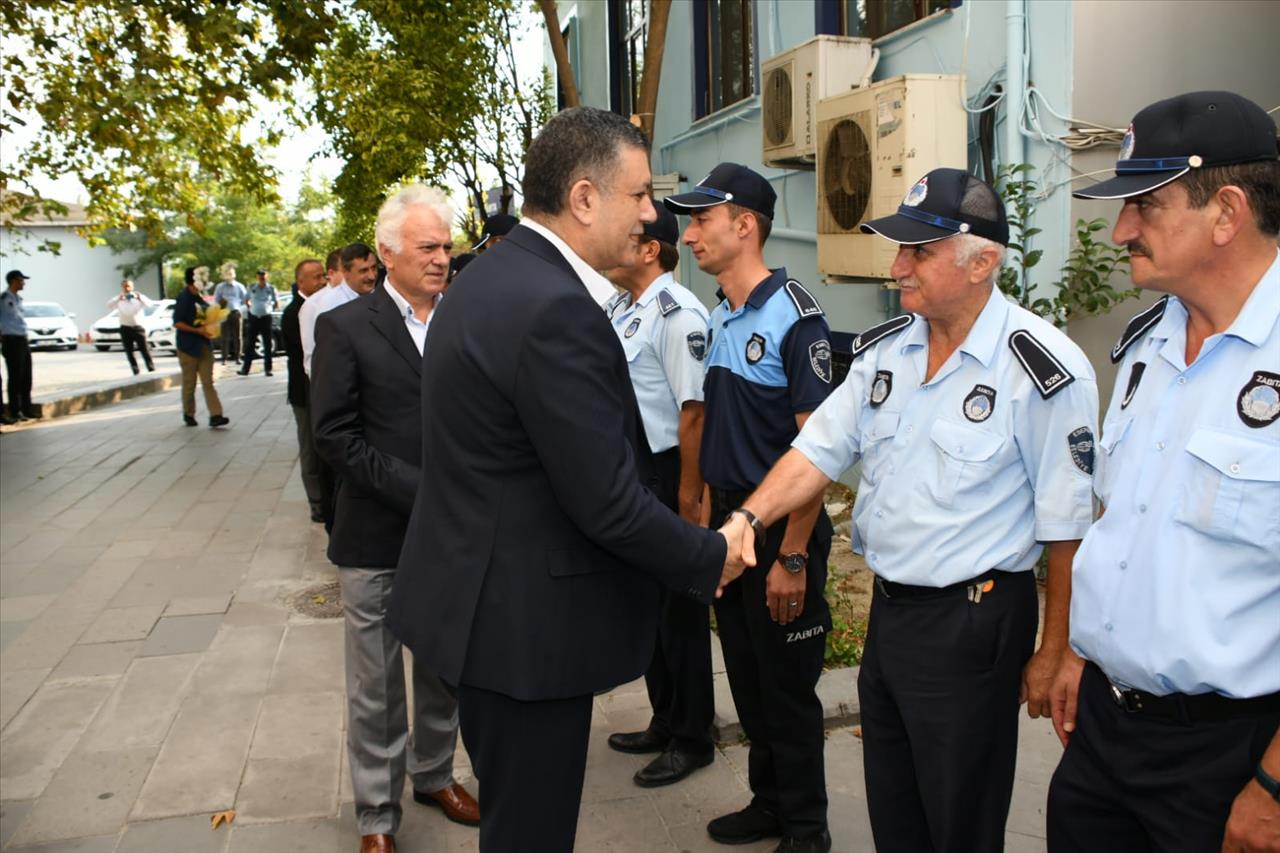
(296, 391)
(367, 415)
(534, 555)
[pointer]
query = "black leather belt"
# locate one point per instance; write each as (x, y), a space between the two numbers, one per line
(1189, 707)
(892, 589)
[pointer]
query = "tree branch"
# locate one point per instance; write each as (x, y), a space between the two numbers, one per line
(560, 52)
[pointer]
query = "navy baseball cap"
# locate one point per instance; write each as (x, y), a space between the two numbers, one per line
(1171, 137)
(16, 274)
(498, 225)
(728, 182)
(944, 203)
(665, 228)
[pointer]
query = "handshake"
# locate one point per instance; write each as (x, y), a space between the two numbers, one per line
(740, 541)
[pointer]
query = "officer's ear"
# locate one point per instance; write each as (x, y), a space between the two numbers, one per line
(583, 201)
(983, 266)
(1231, 213)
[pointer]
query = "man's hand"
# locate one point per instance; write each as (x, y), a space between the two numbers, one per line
(1254, 824)
(1063, 694)
(784, 593)
(740, 540)
(1037, 679)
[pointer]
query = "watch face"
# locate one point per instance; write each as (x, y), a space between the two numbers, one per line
(794, 563)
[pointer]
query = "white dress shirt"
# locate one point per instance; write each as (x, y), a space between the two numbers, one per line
(320, 302)
(596, 284)
(129, 309)
(417, 328)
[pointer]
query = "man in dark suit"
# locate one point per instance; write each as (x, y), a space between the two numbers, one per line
(531, 569)
(308, 277)
(366, 410)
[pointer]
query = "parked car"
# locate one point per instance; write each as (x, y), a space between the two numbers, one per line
(49, 326)
(277, 339)
(156, 318)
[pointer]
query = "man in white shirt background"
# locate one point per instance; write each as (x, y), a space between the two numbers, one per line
(131, 306)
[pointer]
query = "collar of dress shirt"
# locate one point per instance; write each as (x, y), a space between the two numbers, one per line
(402, 304)
(1253, 324)
(651, 292)
(597, 285)
(983, 337)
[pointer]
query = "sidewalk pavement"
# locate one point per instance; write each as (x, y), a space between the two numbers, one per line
(153, 670)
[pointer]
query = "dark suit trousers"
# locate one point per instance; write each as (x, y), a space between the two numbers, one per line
(679, 676)
(529, 759)
(135, 338)
(17, 360)
(255, 328)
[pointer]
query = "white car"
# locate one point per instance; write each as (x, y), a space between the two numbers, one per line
(48, 325)
(156, 318)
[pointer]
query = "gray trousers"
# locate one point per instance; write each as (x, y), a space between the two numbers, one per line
(378, 739)
(308, 460)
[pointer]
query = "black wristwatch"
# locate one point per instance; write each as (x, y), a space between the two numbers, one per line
(794, 563)
(756, 524)
(1269, 783)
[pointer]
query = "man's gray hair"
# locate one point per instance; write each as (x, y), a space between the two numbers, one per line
(969, 246)
(392, 214)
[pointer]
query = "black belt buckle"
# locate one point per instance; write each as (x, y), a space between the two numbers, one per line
(1128, 700)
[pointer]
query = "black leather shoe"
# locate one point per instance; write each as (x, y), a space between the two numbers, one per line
(639, 743)
(219, 420)
(750, 824)
(671, 766)
(819, 842)
(190, 421)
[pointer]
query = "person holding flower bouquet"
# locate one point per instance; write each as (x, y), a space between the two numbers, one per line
(196, 324)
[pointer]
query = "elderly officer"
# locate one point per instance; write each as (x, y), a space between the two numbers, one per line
(1176, 604)
(768, 367)
(17, 350)
(262, 300)
(663, 329)
(974, 422)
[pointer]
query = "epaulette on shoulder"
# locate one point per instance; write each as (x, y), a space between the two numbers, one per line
(803, 299)
(1138, 326)
(667, 303)
(1049, 375)
(870, 337)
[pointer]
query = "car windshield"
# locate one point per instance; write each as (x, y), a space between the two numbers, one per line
(43, 309)
(153, 308)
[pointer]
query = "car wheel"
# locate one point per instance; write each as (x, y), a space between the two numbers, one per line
(101, 348)
(70, 347)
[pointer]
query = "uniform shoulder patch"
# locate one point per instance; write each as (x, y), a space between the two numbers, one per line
(667, 303)
(803, 299)
(1048, 374)
(1138, 326)
(875, 334)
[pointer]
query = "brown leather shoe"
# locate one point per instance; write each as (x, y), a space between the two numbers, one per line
(381, 843)
(454, 801)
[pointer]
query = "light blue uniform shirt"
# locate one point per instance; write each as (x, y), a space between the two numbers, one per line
(1176, 588)
(233, 292)
(262, 298)
(12, 320)
(971, 470)
(664, 336)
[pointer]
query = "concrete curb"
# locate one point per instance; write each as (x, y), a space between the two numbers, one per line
(93, 397)
(837, 690)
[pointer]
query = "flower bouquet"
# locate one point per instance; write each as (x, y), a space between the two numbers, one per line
(211, 317)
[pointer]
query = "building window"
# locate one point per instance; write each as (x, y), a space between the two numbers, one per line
(725, 54)
(873, 18)
(629, 34)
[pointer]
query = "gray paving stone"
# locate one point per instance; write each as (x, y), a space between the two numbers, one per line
(23, 608)
(46, 639)
(243, 612)
(118, 624)
(46, 579)
(289, 789)
(98, 585)
(12, 813)
(95, 660)
(91, 794)
(310, 658)
(10, 631)
(631, 825)
(140, 710)
(239, 660)
(185, 834)
(196, 605)
(43, 733)
(180, 635)
(98, 844)
(297, 725)
(308, 836)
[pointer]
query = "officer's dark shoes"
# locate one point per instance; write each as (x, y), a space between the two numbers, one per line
(817, 843)
(671, 766)
(190, 421)
(750, 824)
(639, 743)
(219, 420)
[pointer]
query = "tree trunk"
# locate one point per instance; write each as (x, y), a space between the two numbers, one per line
(659, 11)
(560, 51)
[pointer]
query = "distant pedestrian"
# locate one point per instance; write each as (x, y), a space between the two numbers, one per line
(309, 278)
(17, 352)
(129, 306)
(195, 353)
(230, 294)
(261, 302)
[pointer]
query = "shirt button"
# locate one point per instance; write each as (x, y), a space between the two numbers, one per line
(1182, 380)
(1159, 445)
(892, 469)
(879, 513)
(910, 428)
(1142, 507)
(1123, 565)
(1235, 468)
(1107, 626)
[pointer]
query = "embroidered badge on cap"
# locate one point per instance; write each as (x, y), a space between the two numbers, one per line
(697, 345)
(881, 388)
(631, 328)
(755, 349)
(1126, 145)
(980, 403)
(1080, 442)
(917, 194)
(820, 360)
(1135, 376)
(1259, 402)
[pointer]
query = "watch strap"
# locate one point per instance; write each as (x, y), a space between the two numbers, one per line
(1269, 783)
(756, 524)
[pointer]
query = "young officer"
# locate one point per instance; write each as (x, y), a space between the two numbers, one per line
(663, 330)
(1176, 605)
(768, 367)
(974, 422)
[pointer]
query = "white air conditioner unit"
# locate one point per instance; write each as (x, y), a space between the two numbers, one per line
(793, 82)
(873, 144)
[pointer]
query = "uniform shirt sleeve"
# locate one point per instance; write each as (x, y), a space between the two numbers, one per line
(1057, 439)
(684, 371)
(829, 438)
(806, 358)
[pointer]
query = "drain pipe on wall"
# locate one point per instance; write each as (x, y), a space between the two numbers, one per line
(1015, 82)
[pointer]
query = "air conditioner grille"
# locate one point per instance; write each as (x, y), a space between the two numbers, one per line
(846, 174)
(777, 106)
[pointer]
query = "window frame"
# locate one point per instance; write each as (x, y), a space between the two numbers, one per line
(703, 53)
(830, 17)
(622, 100)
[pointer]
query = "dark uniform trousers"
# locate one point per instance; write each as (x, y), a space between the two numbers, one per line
(773, 675)
(679, 677)
(1135, 783)
(231, 337)
(135, 338)
(255, 328)
(17, 360)
(938, 690)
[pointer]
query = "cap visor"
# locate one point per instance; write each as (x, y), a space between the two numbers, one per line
(686, 203)
(1124, 186)
(484, 239)
(900, 229)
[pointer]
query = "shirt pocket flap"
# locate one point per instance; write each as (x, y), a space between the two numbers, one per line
(966, 443)
(882, 425)
(1236, 456)
(1112, 433)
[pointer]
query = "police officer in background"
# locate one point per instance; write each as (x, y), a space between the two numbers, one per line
(974, 422)
(261, 300)
(768, 367)
(663, 329)
(1171, 741)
